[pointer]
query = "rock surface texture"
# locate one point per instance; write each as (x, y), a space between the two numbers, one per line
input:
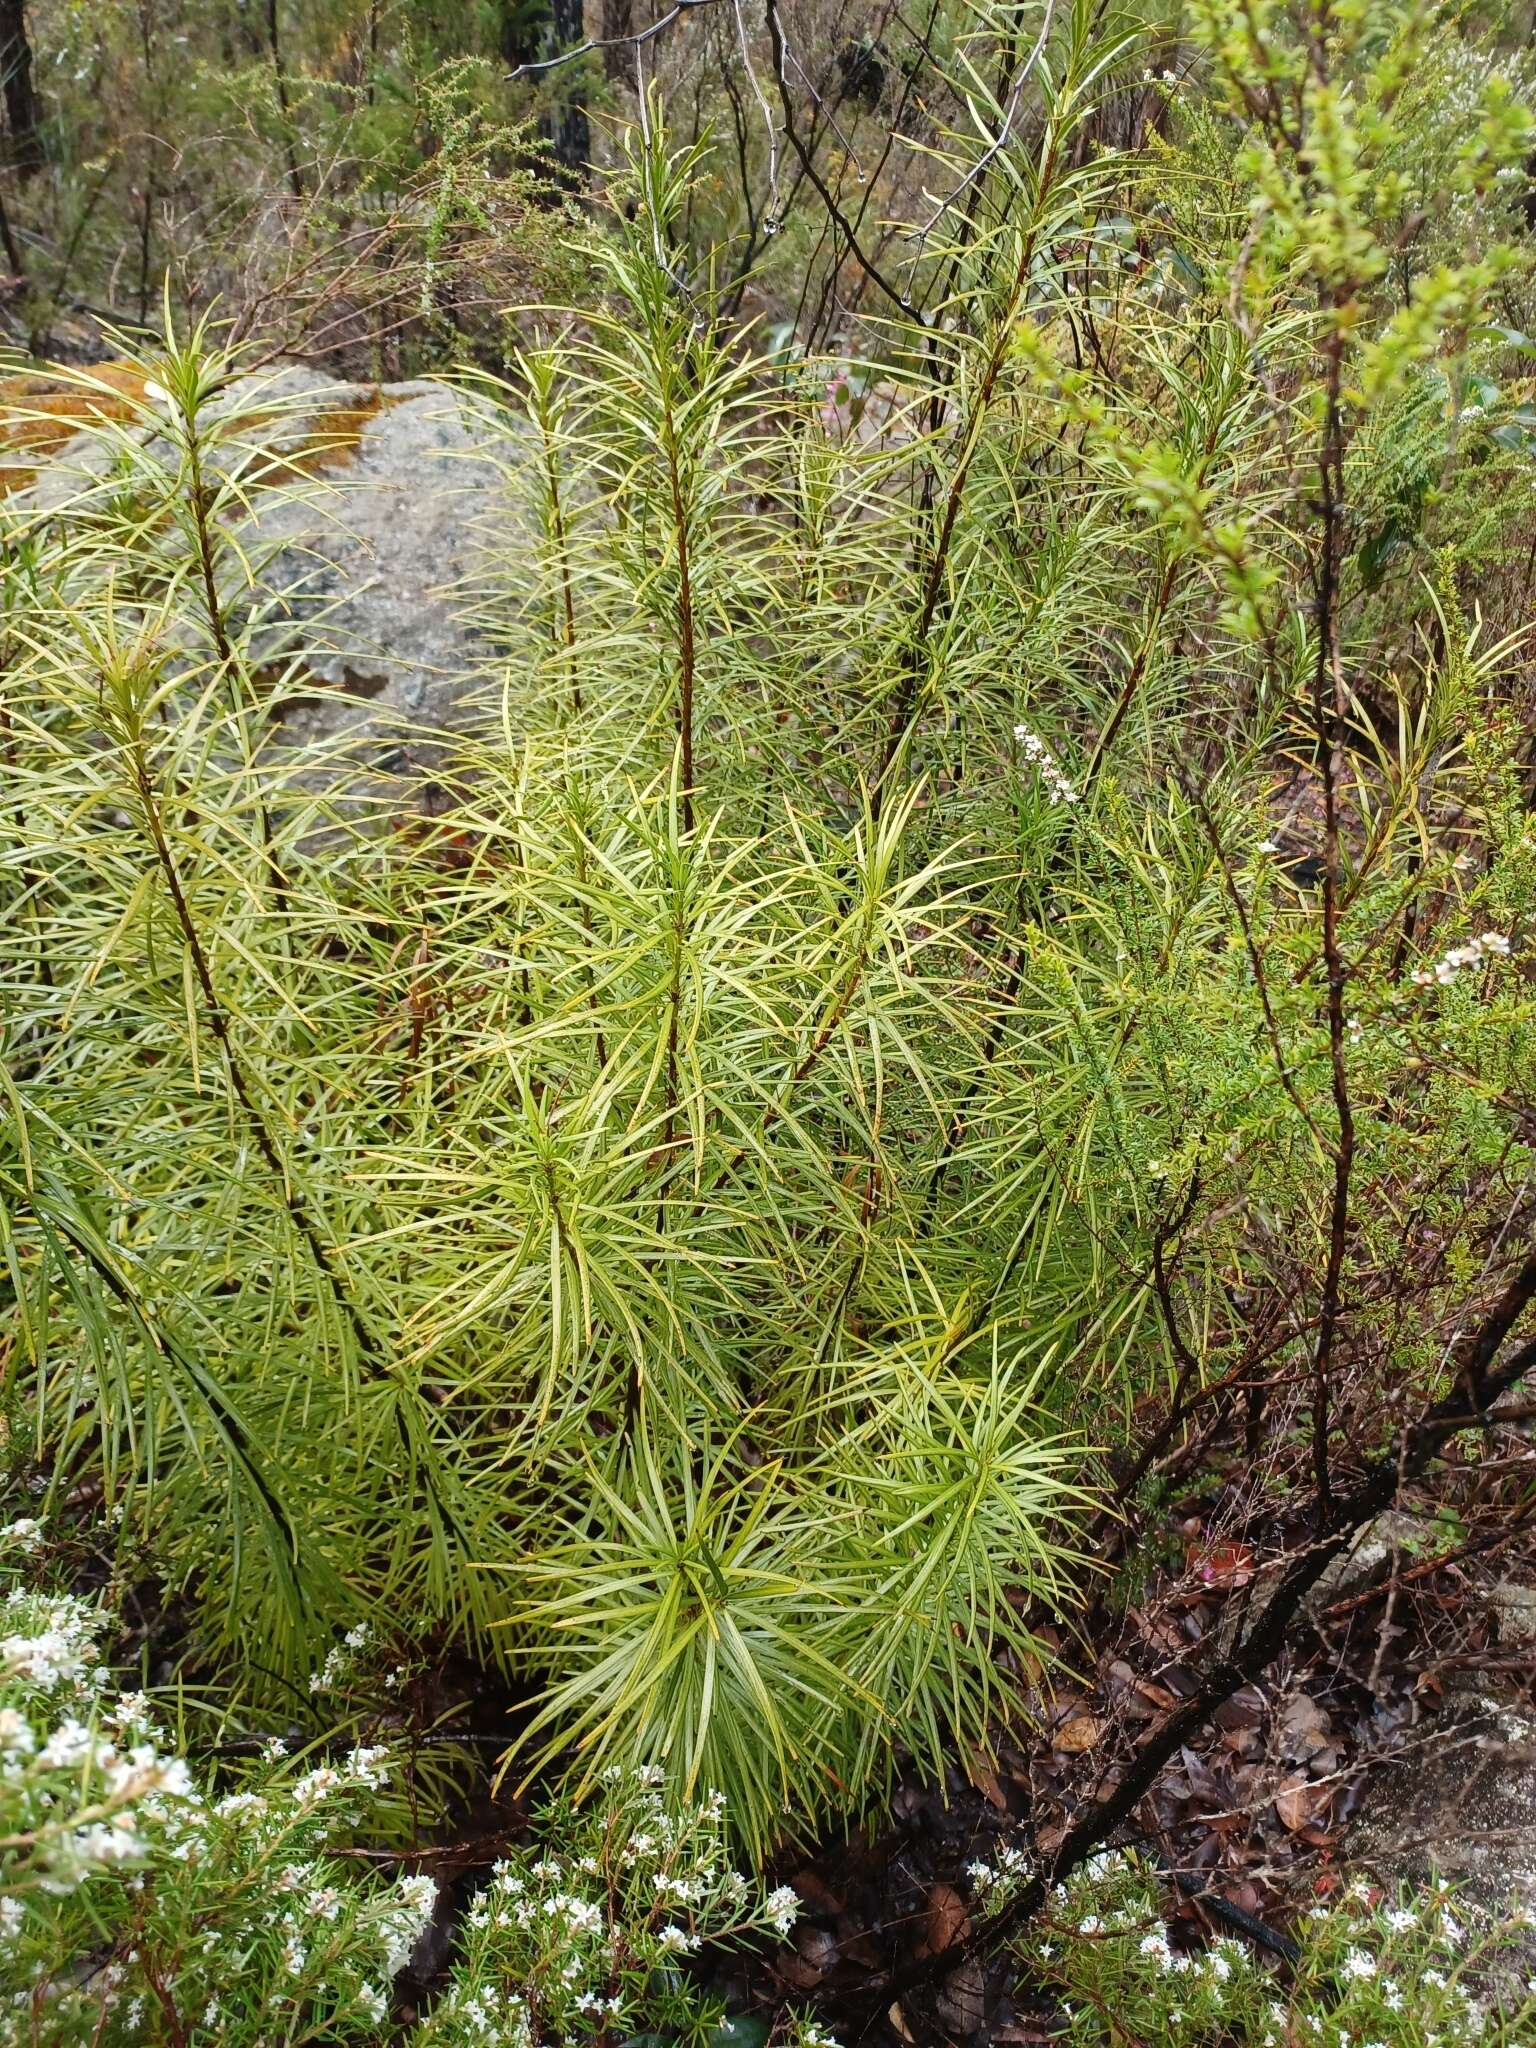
(1463, 1808)
(377, 521)
(377, 572)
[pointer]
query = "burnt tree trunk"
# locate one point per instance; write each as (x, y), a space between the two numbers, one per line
(284, 103)
(618, 18)
(572, 135)
(532, 34)
(23, 110)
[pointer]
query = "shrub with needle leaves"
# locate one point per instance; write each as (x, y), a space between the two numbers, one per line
(864, 1032)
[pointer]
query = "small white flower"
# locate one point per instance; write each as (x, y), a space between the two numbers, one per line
(781, 1909)
(132, 1713)
(1472, 954)
(235, 1805)
(365, 1765)
(1357, 1963)
(1058, 786)
(16, 1737)
(315, 1784)
(68, 1745)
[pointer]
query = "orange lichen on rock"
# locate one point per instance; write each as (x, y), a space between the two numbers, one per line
(41, 410)
(334, 438)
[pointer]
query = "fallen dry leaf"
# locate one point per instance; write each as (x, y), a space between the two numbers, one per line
(1158, 1695)
(815, 1892)
(1078, 1734)
(986, 1781)
(1305, 1726)
(1301, 1711)
(948, 1921)
(961, 2002)
(1221, 1564)
(1298, 1802)
(1160, 1634)
(1244, 1710)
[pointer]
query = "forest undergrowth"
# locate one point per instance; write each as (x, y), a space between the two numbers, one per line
(967, 990)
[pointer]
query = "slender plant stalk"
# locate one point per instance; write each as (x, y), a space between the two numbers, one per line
(218, 1022)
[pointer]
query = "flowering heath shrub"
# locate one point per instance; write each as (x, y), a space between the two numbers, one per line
(139, 1903)
(1422, 1970)
(587, 1934)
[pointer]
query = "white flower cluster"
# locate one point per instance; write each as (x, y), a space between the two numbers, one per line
(1475, 953)
(1057, 786)
(1366, 1976)
(406, 1919)
(588, 1932)
(1009, 1864)
(52, 1644)
(781, 1909)
(477, 2013)
(340, 1660)
(226, 1901)
(361, 1768)
(808, 2034)
(74, 1800)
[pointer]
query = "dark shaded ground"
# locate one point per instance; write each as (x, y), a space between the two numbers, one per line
(1409, 1699)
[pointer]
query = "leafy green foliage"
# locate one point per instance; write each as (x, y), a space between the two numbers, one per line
(687, 1217)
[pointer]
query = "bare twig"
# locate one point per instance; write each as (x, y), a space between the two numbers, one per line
(1330, 709)
(808, 163)
(637, 41)
(999, 142)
